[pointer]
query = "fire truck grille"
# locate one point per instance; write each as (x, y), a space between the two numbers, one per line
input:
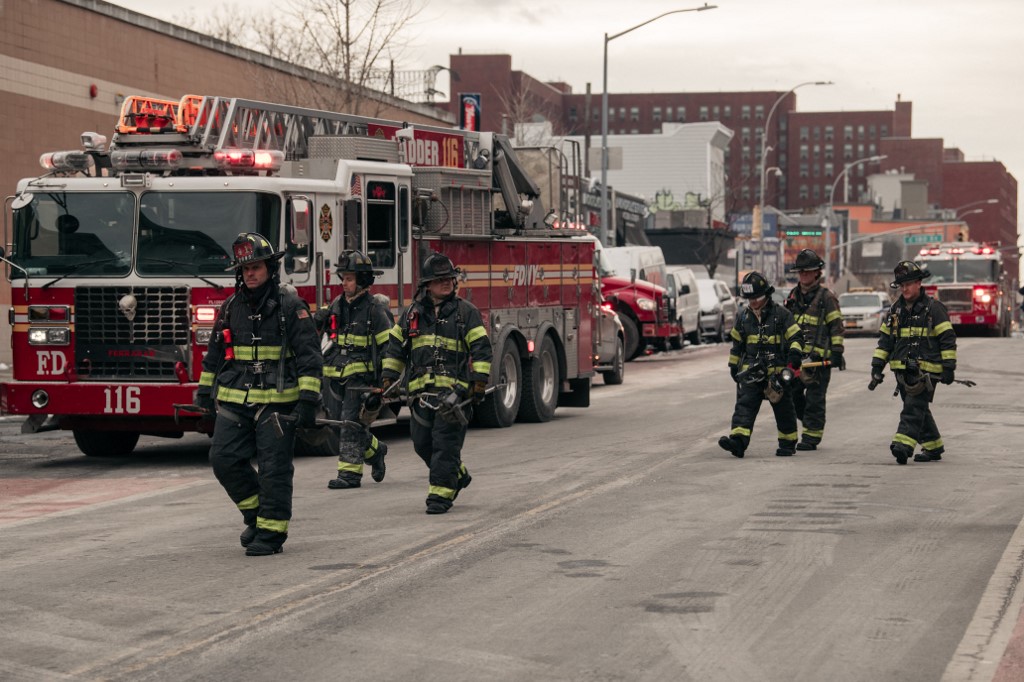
(956, 299)
(109, 345)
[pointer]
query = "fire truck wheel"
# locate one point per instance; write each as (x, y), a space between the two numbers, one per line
(677, 341)
(540, 384)
(615, 375)
(499, 409)
(632, 336)
(106, 443)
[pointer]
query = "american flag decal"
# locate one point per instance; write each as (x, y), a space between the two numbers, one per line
(357, 186)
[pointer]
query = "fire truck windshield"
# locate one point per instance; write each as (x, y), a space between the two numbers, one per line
(60, 233)
(976, 270)
(192, 232)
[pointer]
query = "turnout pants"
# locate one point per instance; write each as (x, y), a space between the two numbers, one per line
(748, 404)
(356, 444)
(917, 426)
(439, 444)
(809, 403)
(264, 494)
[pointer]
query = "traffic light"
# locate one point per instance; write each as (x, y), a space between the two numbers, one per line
(963, 235)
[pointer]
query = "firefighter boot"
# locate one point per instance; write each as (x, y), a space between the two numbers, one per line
(344, 480)
(377, 468)
(247, 536)
(784, 451)
(437, 504)
(901, 452)
(464, 479)
(804, 445)
(266, 543)
(733, 445)
(933, 455)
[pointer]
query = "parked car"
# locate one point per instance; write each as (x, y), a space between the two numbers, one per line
(863, 310)
(682, 287)
(609, 345)
(717, 309)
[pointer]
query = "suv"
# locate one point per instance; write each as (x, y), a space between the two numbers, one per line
(717, 309)
(682, 288)
(863, 310)
(609, 344)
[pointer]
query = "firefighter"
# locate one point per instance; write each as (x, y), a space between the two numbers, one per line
(765, 356)
(917, 340)
(442, 345)
(358, 326)
(816, 309)
(263, 361)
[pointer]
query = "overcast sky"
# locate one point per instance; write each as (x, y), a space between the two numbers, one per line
(960, 62)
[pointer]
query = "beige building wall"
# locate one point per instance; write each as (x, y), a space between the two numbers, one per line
(52, 53)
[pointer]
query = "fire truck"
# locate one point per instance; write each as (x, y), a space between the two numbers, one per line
(119, 257)
(968, 278)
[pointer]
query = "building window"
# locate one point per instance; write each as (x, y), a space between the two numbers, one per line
(847, 133)
(656, 113)
(804, 192)
(847, 152)
(828, 152)
(817, 133)
(572, 114)
(611, 113)
(703, 113)
(746, 193)
(634, 114)
(745, 153)
(727, 111)
(829, 170)
(803, 133)
(681, 114)
(829, 133)
(634, 131)
(745, 135)
(860, 132)
(745, 170)
(715, 113)
(622, 113)
(872, 150)
(745, 112)
(817, 192)
(597, 115)
(871, 131)
(816, 170)
(803, 170)
(885, 131)
(816, 151)
(803, 152)
(759, 112)
(860, 150)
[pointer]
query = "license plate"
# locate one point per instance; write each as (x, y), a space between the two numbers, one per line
(850, 324)
(954, 319)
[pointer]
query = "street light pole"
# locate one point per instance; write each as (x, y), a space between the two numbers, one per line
(604, 229)
(956, 211)
(830, 215)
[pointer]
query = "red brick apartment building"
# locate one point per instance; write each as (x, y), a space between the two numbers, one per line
(810, 148)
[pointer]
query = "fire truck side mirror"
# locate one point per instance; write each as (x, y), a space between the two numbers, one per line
(301, 220)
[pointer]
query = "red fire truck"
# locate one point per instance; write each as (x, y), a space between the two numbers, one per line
(118, 258)
(968, 278)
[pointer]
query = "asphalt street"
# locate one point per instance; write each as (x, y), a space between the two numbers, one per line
(616, 542)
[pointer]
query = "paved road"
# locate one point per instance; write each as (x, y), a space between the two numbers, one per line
(614, 543)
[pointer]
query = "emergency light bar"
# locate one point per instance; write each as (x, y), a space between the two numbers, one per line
(260, 159)
(146, 159)
(67, 162)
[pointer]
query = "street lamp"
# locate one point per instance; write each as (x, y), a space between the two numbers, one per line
(971, 212)
(764, 145)
(956, 211)
(604, 116)
(830, 216)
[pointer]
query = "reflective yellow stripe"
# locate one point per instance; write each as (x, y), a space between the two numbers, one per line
(880, 354)
(251, 502)
(942, 327)
(908, 332)
(309, 384)
(734, 359)
(905, 440)
(884, 329)
(431, 340)
(740, 431)
(474, 334)
(273, 525)
(948, 355)
(353, 340)
(371, 450)
(809, 320)
(836, 340)
(396, 332)
(261, 396)
(350, 468)
(446, 493)
(792, 331)
(735, 335)
(933, 367)
(250, 353)
(932, 444)
(206, 378)
(481, 367)
(348, 370)
(787, 436)
(393, 364)
(439, 381)
(383, 337)
(814, 433)
(754, 339)
(832, 316)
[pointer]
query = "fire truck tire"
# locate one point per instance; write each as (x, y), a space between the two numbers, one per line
(632, 335)
(106, 443)
(499, 409)
(677, 341)
(617, 373)
(540, 384)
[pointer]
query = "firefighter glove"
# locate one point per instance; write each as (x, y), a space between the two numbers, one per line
(838, 361)
(305, 414)
(478, 391)
(203, 400)
(385, 384)
(794, 359)
(947, 375)
(733, 371)
(372, 402)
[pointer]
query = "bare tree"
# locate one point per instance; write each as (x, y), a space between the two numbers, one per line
(526, 115)
(346, 45)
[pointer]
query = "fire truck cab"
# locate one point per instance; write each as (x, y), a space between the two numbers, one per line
(120, 257)
(968, 278)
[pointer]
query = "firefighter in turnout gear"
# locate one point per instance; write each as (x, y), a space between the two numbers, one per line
(358, 327)
(816, 309)
(917, 340)
(263, 359)
(442, 344)
(765, 357)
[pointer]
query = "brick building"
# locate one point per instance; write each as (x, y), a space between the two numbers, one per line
(66, 65)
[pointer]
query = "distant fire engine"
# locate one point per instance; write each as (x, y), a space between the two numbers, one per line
(119, 256)
(968, 278)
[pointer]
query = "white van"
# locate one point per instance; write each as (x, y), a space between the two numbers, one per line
(637, 262)
(682, 287)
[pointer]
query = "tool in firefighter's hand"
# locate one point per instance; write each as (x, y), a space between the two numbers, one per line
(876, 378)
(816, 363)
(755, 373)
(448, 404)
(277, 418)
(190, 409)
(966, 382)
